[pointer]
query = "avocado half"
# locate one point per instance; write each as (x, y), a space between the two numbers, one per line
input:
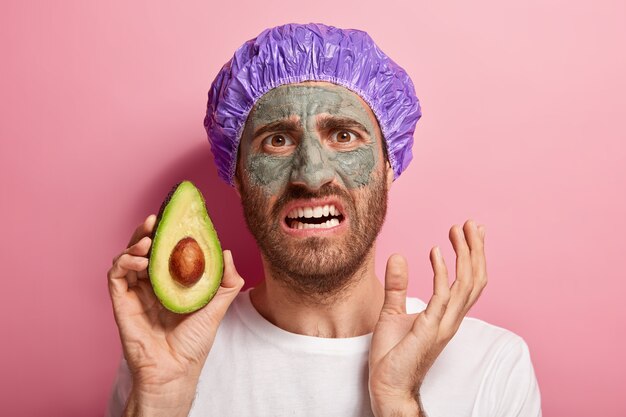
(186, 263)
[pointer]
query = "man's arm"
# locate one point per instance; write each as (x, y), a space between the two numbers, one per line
(168, 400)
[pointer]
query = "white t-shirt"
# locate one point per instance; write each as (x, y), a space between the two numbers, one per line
(258, 369)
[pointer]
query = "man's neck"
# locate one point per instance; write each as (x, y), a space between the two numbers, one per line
(352, 312)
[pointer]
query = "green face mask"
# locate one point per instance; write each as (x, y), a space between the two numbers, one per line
(311, 135)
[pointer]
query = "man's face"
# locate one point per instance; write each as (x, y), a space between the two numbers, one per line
(313, 181)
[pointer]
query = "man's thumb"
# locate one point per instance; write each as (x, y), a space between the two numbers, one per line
(231, 278)
(232, 283)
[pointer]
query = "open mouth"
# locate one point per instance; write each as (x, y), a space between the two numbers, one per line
(314, 217)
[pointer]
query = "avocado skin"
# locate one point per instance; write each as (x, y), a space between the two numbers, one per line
(160, 217)
(173, 308)
(164, 204)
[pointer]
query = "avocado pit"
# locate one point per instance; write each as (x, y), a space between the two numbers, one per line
(186, 263)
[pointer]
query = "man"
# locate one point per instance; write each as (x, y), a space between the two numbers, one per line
(312, 124)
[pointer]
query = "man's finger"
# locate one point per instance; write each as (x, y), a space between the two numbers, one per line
(141, 248)
(479, 266)
(144, 229)
(477, 253)
(143, 275)
(441, 285)
(464, 283)
(396, 282)
(146, 295)
(117, 275)
(441, 292)
(232, 283)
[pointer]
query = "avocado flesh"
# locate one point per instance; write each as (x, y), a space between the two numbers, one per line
(182, 215)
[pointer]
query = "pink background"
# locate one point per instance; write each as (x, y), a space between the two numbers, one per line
(523, 130)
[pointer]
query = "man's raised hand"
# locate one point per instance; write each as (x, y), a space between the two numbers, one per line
(404, 346)
(165, 351)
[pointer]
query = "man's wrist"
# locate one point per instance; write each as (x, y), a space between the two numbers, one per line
(400, 408)
(403, 410)
(172, 399)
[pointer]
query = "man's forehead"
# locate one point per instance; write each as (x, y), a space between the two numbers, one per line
(310, 98)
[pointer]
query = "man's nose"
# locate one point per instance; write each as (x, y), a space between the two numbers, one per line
(311, 166)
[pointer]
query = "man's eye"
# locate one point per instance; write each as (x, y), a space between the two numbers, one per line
(277, 141)
(344, 136)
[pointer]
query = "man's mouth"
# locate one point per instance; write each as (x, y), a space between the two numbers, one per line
(324, 216)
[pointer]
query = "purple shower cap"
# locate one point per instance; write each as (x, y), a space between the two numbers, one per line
(295, 53)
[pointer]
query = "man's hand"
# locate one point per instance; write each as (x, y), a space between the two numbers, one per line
(404, 346)
(165, 351)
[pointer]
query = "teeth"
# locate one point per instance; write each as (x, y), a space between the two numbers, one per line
(327, 224)
(317, 212)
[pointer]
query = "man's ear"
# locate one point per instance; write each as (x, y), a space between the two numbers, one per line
(237, 183)
(389, 171)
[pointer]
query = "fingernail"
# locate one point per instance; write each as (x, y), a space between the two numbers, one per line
(437, 252)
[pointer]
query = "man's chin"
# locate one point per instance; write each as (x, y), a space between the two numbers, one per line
(319, 258)
(315, 251)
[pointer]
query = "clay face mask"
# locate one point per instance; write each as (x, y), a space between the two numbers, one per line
(309, 134)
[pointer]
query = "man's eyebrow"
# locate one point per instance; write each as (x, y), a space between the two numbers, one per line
(285, 125)
(334, 123)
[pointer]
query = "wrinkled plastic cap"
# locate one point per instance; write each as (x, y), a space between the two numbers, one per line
(295, 53)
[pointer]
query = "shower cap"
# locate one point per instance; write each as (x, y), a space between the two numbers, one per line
(294, 53)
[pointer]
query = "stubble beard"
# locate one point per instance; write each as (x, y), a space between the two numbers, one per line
(317, 267)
